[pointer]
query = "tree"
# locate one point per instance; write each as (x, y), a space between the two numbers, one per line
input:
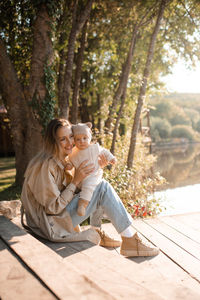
(183, 131)
(77, 79)
(161, 127)
(32, 99)
(41, 75)
(78, 21)
(141, 96)
(143, 19)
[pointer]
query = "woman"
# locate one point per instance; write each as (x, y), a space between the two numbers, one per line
(50, 203)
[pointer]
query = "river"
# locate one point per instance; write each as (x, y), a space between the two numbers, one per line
(181, 168)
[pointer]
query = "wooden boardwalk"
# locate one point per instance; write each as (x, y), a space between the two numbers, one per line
(33, 269)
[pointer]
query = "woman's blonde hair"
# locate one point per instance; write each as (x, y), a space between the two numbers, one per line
(51, 146)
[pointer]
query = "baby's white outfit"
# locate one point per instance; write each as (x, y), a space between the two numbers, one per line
(91, 154)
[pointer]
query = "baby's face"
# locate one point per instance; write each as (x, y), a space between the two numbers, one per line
(82, 141)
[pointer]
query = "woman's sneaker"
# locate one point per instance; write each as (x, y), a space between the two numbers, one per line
(106, 240)
(134, 246)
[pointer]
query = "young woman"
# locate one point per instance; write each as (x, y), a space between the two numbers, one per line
(50, 200)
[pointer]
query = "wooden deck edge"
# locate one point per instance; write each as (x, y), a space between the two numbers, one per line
(173, 251)
(69, 284)
(16, 281)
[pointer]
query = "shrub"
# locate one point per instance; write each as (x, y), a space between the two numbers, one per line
(198, 126)
(160, 129)
(180, 119)
(135, 186)
(183, 131)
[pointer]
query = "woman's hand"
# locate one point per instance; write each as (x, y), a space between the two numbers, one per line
(82, 171)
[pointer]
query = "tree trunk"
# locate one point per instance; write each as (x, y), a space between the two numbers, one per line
(62, 55)
(117, 122)
(144, 20)
(99, 120)
(142, 92)
(79, 63)
(85, 115)
(42, 57)
(123, 79)
(77, 25)
(123, 88)
(11, 90)
(25, 128)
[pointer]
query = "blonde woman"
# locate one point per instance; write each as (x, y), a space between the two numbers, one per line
(50, 201)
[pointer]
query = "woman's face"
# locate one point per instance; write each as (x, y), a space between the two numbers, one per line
(65, 140)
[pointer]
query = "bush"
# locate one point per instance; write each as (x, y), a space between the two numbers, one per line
(160, 129)
(183, 131)
(198, 126)
(180, 119)
(135, 186)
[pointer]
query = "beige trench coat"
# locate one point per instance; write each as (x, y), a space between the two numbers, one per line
(45, 195)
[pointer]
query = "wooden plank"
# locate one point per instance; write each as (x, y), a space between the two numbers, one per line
(176, 237)
(191, 220)
(95, 263)
(16, 281)
(186, 261)
(159, 277)
(192, 234)
(61, 278)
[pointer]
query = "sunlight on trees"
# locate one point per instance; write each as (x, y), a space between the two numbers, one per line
(106, 59)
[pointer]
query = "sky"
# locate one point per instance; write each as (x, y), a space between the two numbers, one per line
(183, 80)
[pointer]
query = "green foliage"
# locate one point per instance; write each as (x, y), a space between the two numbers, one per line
(160, 129)
(52, 5)
(163, 109)
(198, 126)
(193, 116)
(180, 118)
(135, 187)
(16, 19)
(174, 110)
(183, 131)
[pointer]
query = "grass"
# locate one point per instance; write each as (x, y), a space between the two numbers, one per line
(8, 189)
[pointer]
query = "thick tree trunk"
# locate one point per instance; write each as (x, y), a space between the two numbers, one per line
(142, 92)
(25, 128)
(11, 90)
(79, 63)
(77, 25)
(42, 57)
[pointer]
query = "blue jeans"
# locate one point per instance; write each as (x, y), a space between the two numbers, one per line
(106, 199)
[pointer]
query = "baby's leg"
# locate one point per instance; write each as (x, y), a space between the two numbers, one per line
(85, 197)
(82, 205)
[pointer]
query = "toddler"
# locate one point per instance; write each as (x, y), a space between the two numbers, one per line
(85, 150)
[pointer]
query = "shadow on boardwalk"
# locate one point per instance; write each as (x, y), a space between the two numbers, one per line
(81, 270)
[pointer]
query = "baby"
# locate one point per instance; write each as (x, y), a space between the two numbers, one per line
(85, 150)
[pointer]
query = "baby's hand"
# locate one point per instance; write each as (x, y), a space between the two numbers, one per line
(68, 166)
(102, 160)
(113, 161)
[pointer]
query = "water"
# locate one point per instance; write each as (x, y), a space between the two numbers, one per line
(180, 200)
(181, 167)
